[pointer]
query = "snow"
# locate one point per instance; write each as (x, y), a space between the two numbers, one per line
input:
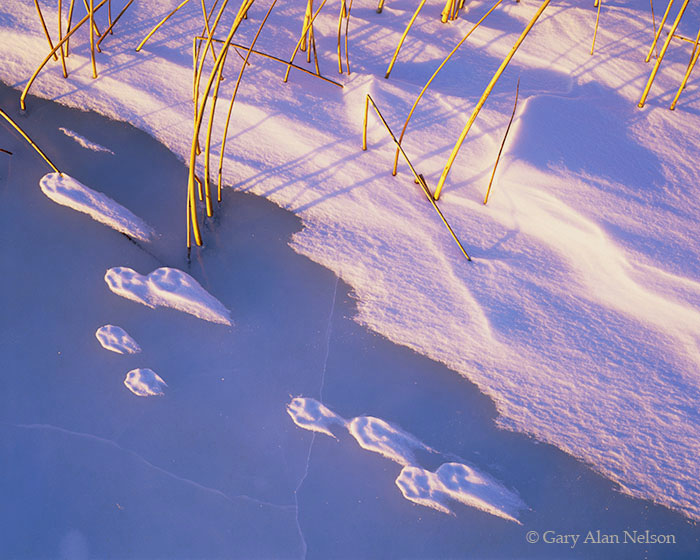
(84, 142)
(67, 191)
(144, 382)
(117, 340)
(167, 287)
(579, 315)
(451, 481)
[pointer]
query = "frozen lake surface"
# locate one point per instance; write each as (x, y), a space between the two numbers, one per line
(215, 467)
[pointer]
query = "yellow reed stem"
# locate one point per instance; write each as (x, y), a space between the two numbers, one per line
(111, 25)
(109, 18)
(364, 125)
(595, 31)
(654, 70)
(87, 8)
(233, 98)
(200, 115)
(658, 31)
(653, 23)
(207, 29)
(210, 126)
(31, 142)
(343, 12)
(347, 25)
(43, 25)
(485, 95)
(418, 177)
(48, 57)
(425, 87)
(500, 151)
(691, 65)
(158, 26)
(307, 16)
(70, 18)
(276, 59)
(92, 39)
(200, 188)
(60, 38)
(313, 46)
(380, 6)
(445, 15)
(403, 38)
(296, 49)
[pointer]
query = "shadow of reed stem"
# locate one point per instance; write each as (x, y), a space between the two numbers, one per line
(425, 87)
(500, 151)
(48, 57)
(485, 95)
(233, 98)
(43, 25)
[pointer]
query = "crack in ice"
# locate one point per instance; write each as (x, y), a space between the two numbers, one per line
(146, 462)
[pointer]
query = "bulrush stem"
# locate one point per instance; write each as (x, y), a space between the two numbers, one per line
(306, 30)
(485, 95)
(43, 25)
(425, 87)
(233, 98)
(403, 38)
(48, 57)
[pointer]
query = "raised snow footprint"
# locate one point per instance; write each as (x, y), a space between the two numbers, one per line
(145, 382)
(117, 340)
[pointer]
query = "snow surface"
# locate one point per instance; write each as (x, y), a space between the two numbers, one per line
(67, 191)
(144, 382)
(451, 481)
(167, 287)
(117, 340)
(579, 315)
(84, 142)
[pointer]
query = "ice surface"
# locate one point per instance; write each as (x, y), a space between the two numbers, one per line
(117, 340)
(312, 415)
(167, 287)
(144, 382)
(578, 316)
(452, 481)
(67, 191)
(84, 142)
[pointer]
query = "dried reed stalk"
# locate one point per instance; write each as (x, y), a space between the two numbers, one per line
(70, 18)
(403, 38)
(691, 65)
(160, 23)
(60, 38)
(658, 31)
(31, 142)
(92, 39)
(343, 13)
(296, 49)
(113, 23)
(233, 98)
(347, 26)
(485, 95)
(500, 151)
(276, 59)
(380, 6)
(43, 25)
(48, 57)
(667, 42)
(94, 25)
(425, 87)
(595, 31)
(418, 177)
(653, 24)
(200, 115)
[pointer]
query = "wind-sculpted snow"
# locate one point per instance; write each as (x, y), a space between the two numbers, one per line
(450, 482)
(378, 436)
(117, 340)
(578, 315)
(167, 287)
(144, 382)
(460, 483)
(67, 191)
(84, 142)
(312, 415)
